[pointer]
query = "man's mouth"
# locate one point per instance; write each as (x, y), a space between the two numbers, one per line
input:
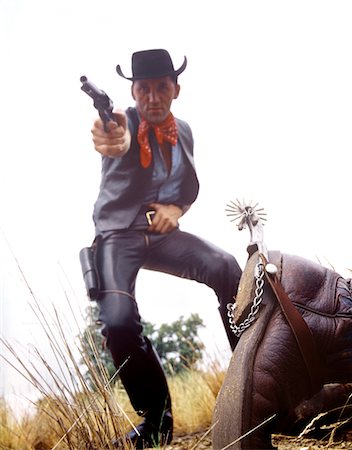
(154, 110)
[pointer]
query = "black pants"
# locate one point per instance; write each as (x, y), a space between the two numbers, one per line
(120, 256)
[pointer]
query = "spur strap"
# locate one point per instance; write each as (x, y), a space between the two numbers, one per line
(298, 325)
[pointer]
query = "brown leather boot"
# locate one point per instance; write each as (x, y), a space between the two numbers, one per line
(267, 377)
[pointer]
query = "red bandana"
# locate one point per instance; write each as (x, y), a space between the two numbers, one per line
(164, 131)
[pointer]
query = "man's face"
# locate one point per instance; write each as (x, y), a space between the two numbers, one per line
(154, 97)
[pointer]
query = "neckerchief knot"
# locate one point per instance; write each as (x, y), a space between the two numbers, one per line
(165, 131)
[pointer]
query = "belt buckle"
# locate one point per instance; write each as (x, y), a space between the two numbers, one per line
(149, 215)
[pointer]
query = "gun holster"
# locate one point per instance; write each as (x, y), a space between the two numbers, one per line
(87, 257)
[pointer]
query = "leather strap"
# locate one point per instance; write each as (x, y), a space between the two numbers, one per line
(298, 325)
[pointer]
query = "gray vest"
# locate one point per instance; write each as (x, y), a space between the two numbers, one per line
(124, 181)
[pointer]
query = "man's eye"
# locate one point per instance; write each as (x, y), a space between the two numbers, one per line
(163, 87)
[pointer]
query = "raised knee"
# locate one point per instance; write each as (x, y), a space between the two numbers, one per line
(226, 264)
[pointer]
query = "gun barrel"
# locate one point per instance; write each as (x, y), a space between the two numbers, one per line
(101, 100)
(89, 88)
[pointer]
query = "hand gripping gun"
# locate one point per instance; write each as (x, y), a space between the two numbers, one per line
(102, 102)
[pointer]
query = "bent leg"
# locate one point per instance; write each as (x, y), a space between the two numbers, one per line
(188, 256)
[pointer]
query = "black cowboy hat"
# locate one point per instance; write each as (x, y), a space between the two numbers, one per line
(152, 64)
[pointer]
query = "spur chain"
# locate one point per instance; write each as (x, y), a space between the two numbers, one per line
(258, 297)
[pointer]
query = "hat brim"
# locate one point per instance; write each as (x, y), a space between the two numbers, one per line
(173, 73)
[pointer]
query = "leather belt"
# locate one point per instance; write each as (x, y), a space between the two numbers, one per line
(143, 219)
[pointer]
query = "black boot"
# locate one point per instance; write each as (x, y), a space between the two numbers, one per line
(145, 383)
(150, 435)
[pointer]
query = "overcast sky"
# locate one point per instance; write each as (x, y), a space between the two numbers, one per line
(267, 92)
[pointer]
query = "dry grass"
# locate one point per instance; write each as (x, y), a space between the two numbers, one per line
(91, 420)
(70, 415)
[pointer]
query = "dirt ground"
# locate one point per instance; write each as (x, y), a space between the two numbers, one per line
(202, 441)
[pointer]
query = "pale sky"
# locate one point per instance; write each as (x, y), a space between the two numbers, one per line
(267, 92)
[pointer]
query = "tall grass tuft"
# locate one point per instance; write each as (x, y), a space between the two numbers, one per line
(71, 413)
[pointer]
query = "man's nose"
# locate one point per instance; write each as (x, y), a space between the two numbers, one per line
(153, 96)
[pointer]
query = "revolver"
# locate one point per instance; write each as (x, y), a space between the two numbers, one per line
(102, 102)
